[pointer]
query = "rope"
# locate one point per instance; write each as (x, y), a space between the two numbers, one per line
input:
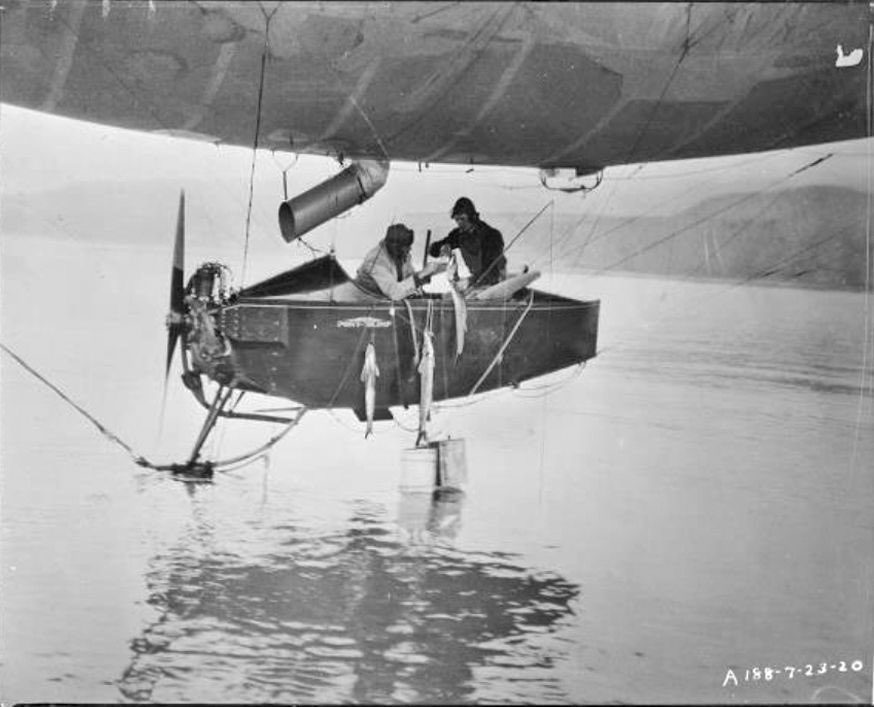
(413, 331)
(353, 359)
(139, 459)
(258, 113)
(506, 343)
(254, 157)
(541, 391)
(704, 219)
(88, 416)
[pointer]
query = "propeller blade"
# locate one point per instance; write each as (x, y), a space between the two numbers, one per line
(172, 338)
(177, 287)
(177, 284)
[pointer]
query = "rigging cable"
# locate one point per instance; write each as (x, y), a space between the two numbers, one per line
(687, 45)
(701, 220)
(265, 51)
(138, 96)
(681, 308)
(629, 220)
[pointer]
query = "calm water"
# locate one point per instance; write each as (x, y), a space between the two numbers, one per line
(698, 500)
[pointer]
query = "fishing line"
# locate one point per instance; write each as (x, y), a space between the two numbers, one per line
(543, 428)
(548, 388)
(551, 202)
(570, 231)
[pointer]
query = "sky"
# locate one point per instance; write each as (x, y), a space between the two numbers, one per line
(42, 152)
(72, 180)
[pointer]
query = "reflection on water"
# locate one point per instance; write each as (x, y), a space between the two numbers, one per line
(377, 612)
(707, 480)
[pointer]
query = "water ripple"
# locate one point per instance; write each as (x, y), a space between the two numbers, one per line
(349, 614)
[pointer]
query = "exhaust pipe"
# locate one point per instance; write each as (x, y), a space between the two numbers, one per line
(353, 186)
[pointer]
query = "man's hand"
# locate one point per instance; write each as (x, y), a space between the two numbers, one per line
(432, 268)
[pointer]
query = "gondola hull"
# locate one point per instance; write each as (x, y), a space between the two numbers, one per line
(313, 352)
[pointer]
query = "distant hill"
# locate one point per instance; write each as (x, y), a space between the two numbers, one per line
(132, 212)
(812, 235)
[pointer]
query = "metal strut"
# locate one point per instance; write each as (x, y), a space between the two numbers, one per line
(193, 467)
(221, 398)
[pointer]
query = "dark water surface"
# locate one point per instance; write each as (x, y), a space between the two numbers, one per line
(698, 500)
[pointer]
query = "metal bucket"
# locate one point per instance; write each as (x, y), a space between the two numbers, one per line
(451, 464)
(419, 469)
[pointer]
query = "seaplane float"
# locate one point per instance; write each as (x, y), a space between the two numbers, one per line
(313, 336)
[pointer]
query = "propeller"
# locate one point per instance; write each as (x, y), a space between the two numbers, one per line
(177, 286)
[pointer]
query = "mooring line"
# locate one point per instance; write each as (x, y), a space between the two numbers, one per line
(139, 459)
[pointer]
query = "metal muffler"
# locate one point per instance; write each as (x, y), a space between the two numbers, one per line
(353, 186)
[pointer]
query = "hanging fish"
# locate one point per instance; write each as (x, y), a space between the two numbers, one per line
(369, 373)
(426, 386)
(458, 304)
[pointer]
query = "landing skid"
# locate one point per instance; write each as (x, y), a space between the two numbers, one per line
(197, 469)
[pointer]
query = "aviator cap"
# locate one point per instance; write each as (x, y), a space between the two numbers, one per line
(398, 235)
(464, 206)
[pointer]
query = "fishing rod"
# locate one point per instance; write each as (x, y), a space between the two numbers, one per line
(515, 238)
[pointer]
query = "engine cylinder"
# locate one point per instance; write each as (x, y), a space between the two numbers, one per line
(354, 185)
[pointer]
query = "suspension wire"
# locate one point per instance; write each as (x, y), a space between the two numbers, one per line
(693, 172)
(578, 250)
(370, 125)
(284, 170)
(681, 308)
(687, 45)
(571, 230)
(701, 220)
(252, 169)
(299, 241)
(264, 53)
(139, 97)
